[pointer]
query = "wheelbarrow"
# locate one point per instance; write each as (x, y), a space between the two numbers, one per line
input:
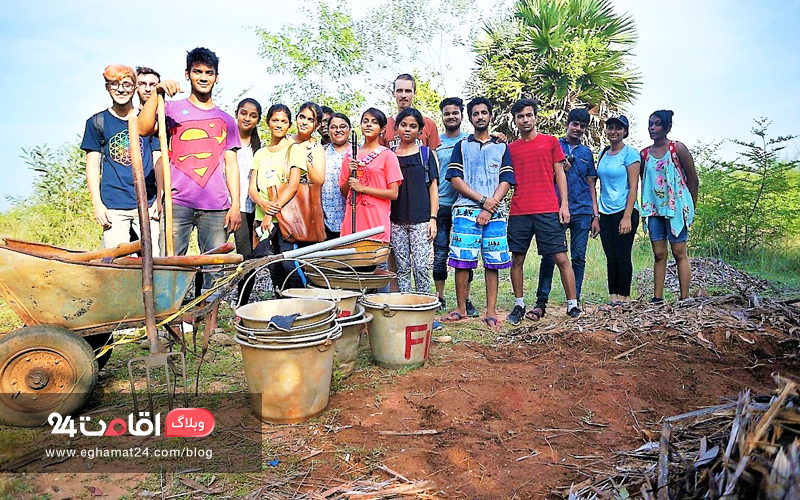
(70, 304)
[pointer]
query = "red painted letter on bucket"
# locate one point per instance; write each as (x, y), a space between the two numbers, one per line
(414, 341)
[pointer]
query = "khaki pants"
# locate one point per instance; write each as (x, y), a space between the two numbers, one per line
(122, 221)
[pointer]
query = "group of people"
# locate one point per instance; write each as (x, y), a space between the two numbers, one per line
(445, 192)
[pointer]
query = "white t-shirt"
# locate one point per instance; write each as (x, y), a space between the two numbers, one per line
(244, 156)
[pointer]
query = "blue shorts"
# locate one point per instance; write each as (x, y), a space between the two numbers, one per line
(659, 230)
(468, 239)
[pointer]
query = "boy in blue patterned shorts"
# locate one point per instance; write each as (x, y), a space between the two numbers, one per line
(481, 173)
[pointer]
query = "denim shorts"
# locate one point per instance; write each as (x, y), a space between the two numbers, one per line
(659, 230)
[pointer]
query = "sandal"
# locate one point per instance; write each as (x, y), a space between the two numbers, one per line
(535, 314)
(452, 317)
(491, 323)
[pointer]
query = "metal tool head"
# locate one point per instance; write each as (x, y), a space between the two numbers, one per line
(153, 365)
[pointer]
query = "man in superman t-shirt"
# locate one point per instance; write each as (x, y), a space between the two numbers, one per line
(203, 166)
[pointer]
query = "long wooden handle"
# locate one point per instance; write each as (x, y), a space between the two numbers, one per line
(353, 193)
(147, 245)
(166, 169)
(117, 251)
(184, 260)
(226, 247)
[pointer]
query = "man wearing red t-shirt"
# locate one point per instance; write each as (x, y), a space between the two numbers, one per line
(535, 209)
(405, 88)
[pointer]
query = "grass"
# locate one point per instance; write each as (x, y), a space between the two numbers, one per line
(222, 371)
(594, 282)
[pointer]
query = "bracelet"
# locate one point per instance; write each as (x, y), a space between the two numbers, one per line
(433, 217)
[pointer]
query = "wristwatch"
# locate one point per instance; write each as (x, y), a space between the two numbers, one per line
(597, 216)
(483, 200)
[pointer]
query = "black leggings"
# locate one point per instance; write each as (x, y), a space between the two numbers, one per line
(617, 248)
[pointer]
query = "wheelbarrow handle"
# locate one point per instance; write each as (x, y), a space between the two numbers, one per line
(184, 260)
(117, 251)
(226, 247)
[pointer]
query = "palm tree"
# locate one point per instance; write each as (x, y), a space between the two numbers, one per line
(564, 53)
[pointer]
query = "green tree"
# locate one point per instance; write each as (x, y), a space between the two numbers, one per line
(751, 203)
(319, 60)
(58, 210)
(348, 63)
(564, 53)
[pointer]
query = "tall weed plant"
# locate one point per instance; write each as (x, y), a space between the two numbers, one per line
(59, 210)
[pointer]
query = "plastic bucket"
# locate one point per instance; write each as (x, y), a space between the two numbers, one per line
(400, 333)
(347, 345)
(315, 314)
(346, 299)
(289, 383)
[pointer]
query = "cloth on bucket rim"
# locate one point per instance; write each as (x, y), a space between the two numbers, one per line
(283, 322)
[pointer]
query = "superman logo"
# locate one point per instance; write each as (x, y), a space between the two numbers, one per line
(197, 146)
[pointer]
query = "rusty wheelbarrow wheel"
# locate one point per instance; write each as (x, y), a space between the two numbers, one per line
(44, 369)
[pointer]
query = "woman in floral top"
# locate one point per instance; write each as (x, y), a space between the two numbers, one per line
(669, 195)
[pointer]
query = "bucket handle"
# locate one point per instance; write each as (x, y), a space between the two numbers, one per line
(327, 259)
(276, 261)
(302, 263)
(327, 345)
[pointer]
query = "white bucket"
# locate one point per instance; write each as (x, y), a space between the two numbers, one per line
(402, 324)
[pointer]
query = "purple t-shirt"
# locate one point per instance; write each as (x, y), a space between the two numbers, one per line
(199, 139)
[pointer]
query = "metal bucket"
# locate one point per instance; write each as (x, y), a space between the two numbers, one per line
(347, 345)
(257, 337)
(314, 314)
(274, 331)
(400, 333)
(346, 299)
(289, 383)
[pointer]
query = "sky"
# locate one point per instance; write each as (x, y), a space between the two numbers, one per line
(718, 64)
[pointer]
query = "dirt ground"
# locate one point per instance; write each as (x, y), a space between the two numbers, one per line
(502, 421)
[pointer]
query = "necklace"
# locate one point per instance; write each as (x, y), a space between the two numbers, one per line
(362, 164)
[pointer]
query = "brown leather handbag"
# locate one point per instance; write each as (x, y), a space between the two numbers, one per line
(301, 220)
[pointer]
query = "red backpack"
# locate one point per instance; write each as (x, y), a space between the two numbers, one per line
(673, 152)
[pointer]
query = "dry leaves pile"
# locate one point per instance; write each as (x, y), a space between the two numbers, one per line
(746, 449)
(707, 274)
(691, 320)
(355, 490)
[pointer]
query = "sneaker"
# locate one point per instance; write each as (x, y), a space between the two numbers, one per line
(471, 311)
(437, 325)
(574, 312)
(516, 315)
(657, 300)
(442, 304)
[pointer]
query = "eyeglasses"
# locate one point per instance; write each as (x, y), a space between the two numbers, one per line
(147, 85)
(126, 86)
(334, 128)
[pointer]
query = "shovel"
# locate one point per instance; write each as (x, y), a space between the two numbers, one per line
(159, 358)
